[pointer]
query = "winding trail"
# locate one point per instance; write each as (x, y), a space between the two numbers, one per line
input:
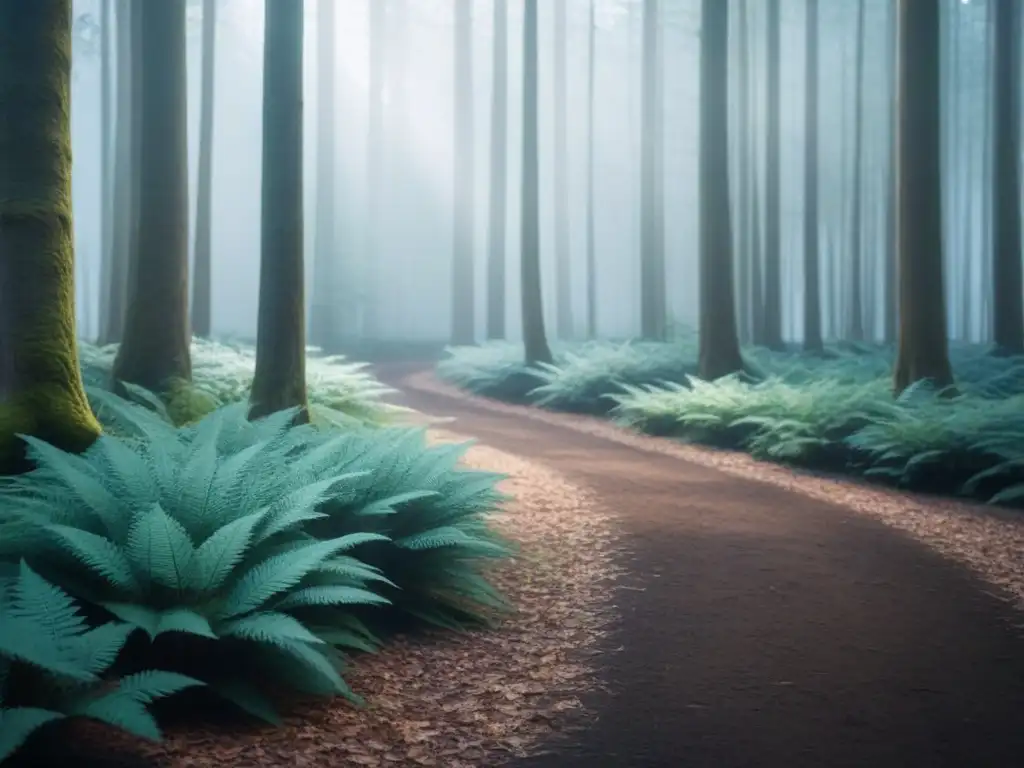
(762, 628)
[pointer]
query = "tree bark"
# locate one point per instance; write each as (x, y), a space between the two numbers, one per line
(531, 294)
(653, 308)
(719, 347)
(41, 390)
(463, 278)
(773, 187)
(1007, 305)
(499, 176)
(890, 277)
(812, 249)
(856, 215)
(106, 147)
(591, 244)
(322, 317)
(154, 351)
(743, 250)
(202, 281)
(923, 346)
(280, 378)
(563, 253)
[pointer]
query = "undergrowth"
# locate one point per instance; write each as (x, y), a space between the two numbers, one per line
(830, 412)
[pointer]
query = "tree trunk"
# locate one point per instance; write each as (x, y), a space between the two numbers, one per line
(923, 347)
(322, 318)
(280, 378)
(719, 353)
(856, 215)
(591, 244)
(499, 176)
(812, 268)
(1007, 306)
(463, 280)
(890, 251)
(40, 382)
(757, 309)
(202, 282)
(773, 187)
(743, 287)
(374, 166)
(114, 274)
(154, 351)
(563, 254)
(653, 310)
(534, 336)
(106, 146)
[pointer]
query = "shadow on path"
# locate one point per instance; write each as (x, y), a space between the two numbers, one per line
(761, 628)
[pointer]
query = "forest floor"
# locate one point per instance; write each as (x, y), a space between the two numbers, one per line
(768, 621)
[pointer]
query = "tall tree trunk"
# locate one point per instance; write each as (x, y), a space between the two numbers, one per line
(1007, 306)
(374, 167)
(757, 308)
(591, 244)
(743, 288)
(719, 352)
(499, 176)
(106, 146)
(967, 201)
(532, 296)
(563, 254)
(812, 270)
(114, 276)
(653, 309)
(773, 184)
(322, 317)
(280, 378)
(856, 215)
(40, 382)
(923, 347)
(890, 277)
(202, 281)
(463, 258)
(154, 351)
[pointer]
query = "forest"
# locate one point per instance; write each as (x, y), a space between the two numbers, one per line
(467, 383)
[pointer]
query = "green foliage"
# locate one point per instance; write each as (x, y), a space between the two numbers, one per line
(832, 412)
(52, 663)
(340, 392)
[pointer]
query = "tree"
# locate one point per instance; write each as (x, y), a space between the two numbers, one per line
(891, 261)
(106, 144)
(743, 155)
(773, 187)
(591, 244)
(922, 352)
(653, 307)
(719, 353)
(856, 225)
(532, 297)
(41, 390)
(1007, 306)
(321, 325)
(377, 14)
(812, 248)
(463, 280)
(499, 176)
(279, 381)
(563, 254)
(202, 282)
(154, 351)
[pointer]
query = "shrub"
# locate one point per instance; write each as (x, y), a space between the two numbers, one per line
(52, 663)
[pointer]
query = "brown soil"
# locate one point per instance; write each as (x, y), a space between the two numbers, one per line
(760, 627)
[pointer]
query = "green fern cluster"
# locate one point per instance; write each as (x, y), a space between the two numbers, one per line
(834, 411)
(253, 555)
(339, 391)
(52, 666)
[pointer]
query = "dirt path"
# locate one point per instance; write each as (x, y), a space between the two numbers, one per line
(762, 628)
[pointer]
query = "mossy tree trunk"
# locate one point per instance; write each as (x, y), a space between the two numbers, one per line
(499, 177)
(280, 378)
(532, 296)
(202, 279)
(40, 382)
(812, 249)
(719, 353)
(154, 351)
(923, 346)
(1007, 290)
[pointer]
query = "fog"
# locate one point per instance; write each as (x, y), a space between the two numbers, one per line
(412, 284)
